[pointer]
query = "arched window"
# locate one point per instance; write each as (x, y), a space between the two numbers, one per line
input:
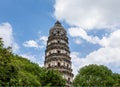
(58, 51)
(68, 80)
(58, 64)
(58, 32)
(48, 65)
(67, 66)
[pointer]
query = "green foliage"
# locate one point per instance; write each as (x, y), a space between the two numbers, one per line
(95, 75)
(116, 77)
(1, 43)
(52, 78)
(18, 71)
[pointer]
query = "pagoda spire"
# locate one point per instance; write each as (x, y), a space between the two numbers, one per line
(57, 23)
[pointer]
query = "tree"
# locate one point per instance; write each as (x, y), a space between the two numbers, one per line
(18, 71)
(52, 78)
(7, 70)
(95, 75)
(1, 43)
(116, 77)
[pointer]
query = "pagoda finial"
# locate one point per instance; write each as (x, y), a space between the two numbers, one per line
(57, 23)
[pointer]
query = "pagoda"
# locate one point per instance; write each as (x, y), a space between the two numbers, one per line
(57, 53)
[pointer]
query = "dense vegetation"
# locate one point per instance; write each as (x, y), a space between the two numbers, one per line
(18, 71)
(96, 76)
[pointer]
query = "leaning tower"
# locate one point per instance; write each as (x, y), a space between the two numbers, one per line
(57, 54)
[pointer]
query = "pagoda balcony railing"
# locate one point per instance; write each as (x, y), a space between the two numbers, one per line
(57, 59)
(61, 68)
(57, 45)
(58, 55)
(57, 37)
(67, 72)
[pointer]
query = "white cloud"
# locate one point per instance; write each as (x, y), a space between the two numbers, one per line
(108, 55)
(112, 41)
(32, 58)
(32, 43)
(39, 43)
(86, 15)
(75, 62)
(104, 56)
(44, 39)
(75, 32)
(6, 32)
(89, 14)
(79, 32)
(29, 56)
(77, 41)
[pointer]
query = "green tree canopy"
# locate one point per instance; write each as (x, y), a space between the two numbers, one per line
(18, 71)
(96, 75)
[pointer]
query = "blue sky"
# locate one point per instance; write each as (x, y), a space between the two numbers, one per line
(92, 27)
(29, 20)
